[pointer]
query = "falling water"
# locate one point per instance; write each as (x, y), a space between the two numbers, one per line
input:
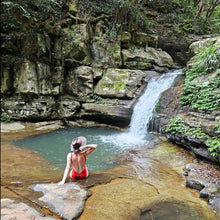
(146, 103)
(55, 145)
(136, 133)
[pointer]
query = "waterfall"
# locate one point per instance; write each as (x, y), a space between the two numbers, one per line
(143, 109)
(146, 103)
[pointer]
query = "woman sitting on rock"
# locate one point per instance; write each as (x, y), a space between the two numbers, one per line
(77, 158)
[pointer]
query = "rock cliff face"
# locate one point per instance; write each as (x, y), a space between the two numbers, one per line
(74, 71)
(202, 125)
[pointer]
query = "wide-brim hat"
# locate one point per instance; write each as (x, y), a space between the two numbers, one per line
(83, 143)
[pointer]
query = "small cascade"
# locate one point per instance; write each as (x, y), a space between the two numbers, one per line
(144, 107)
(136, 134)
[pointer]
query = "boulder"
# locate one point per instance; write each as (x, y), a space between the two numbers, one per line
(34, 78)
(44, 79)
(65, 200)
(25, 79)
(177, 48)
(125, 37)
(120, 83)
(57, 80)
(19, 210)
(145, 39)
(140, 58)
(6, 80)
(79, 81)
(73, 46)
(198, 45)
(118, 114)
(30, 108)
(106, 53)
(215, 203)
(199, 178)
(67, 107)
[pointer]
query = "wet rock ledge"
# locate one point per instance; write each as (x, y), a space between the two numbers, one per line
(124, 192)
(206, 180)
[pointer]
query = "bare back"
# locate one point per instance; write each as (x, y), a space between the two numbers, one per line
(78, 161)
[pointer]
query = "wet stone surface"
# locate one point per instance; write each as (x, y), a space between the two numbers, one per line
(66, 200)
(146, 179)
(206, 179)
(12, 210)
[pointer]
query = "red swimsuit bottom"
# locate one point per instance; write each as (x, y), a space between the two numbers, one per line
(81, 175)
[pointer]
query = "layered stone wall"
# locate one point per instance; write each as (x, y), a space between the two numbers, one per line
(61, 72)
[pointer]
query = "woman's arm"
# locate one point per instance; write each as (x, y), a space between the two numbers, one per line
(91, 148)
(68, 164)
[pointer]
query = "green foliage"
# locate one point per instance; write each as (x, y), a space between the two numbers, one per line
(214, 146)
(111, 29)
(177, 125)
(203, 95)
(199, 17)
(207, 60)
(5, 118)
(215, 20)
(120, 14)
(19, 15)
(96, 99)
(214, 142)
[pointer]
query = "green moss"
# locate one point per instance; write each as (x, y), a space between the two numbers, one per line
(87, 53)
(41, 43)
(120, 86)
(72, 5)
(144, 64)
(122, 72)
(157, 106)
(109, 86)
(177, 125)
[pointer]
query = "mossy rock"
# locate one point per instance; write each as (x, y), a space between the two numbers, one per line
(72, 5)
(119, 83)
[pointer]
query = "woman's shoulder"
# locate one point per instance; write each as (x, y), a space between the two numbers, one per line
(69, 155)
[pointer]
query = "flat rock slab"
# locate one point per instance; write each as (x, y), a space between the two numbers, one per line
(119, 199)
(14, 126)
(19, 211)
(65, 200)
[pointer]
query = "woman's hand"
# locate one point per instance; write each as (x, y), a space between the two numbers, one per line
(91, 148)
(61, 182)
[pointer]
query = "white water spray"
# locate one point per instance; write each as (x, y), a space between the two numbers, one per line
(146, 103)
(137, 130)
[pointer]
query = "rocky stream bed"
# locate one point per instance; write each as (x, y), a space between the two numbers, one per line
(147, 184)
